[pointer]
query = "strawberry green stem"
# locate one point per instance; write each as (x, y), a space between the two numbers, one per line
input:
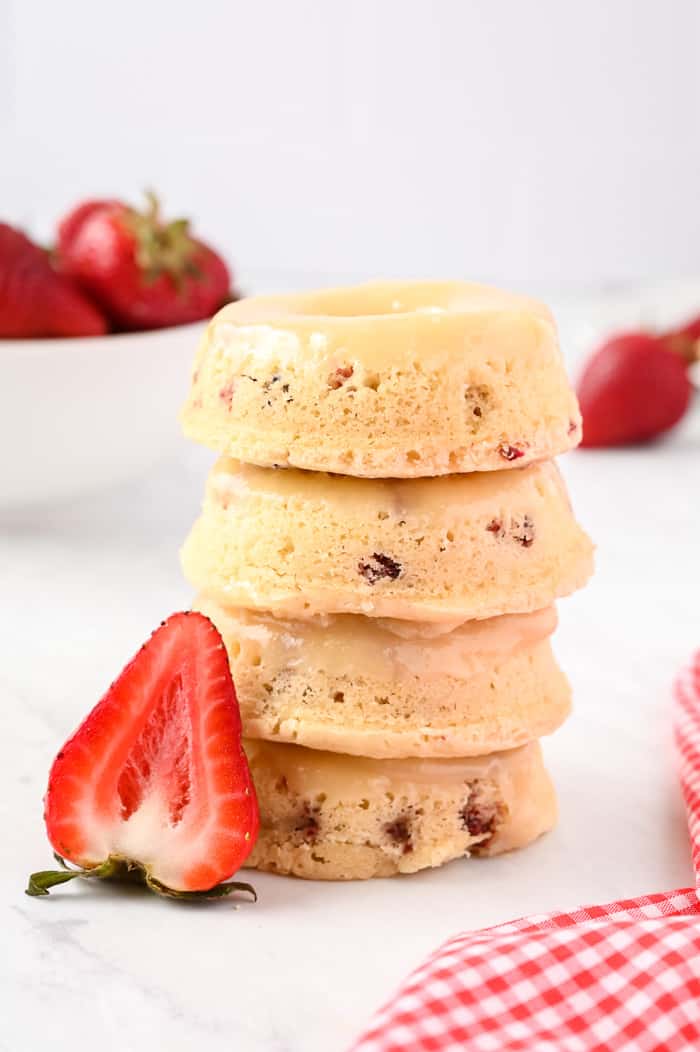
(218, 892)
(39, 883)
(121, 869)
(162, 248)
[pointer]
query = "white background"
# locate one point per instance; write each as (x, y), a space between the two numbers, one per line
(552, 142)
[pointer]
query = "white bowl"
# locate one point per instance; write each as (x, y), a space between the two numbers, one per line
(80, 414)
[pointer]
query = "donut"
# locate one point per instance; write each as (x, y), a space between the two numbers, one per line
(382, 688)
(325, 816)
(300, 543)
(389, 380)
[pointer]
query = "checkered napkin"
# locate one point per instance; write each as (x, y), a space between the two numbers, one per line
(624, 977)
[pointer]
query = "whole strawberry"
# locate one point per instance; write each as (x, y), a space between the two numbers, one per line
(632, 389)
(145, 273)
(34, 299)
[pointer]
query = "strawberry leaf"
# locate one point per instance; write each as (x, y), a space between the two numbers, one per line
(218, 892)
(39, 883)
(120, 870)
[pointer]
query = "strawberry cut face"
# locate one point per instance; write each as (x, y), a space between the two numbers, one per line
(156, 774)
(160, 759)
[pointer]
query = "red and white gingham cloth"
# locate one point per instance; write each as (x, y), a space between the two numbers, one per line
(624, 977)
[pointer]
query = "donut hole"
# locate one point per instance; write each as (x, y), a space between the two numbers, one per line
(383, 299)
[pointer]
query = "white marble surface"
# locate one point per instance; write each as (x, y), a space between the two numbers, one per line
(303, 969)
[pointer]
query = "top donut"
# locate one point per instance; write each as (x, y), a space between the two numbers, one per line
(389, 379)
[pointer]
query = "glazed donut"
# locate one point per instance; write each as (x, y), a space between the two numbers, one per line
(383, 688)
(331, 817)
(302, 543)
(384, 380)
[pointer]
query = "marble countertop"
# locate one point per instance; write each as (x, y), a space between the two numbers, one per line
(303, 969)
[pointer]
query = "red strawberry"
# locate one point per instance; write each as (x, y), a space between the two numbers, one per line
(71, 224)
(146, 274)
(34, 299)
(632, 389)
(155, 781)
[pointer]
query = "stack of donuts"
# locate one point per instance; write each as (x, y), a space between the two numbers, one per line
(381, 544)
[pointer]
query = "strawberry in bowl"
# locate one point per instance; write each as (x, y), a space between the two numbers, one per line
(37, 301)
(97, 337)
(154, 784)
(143, 272)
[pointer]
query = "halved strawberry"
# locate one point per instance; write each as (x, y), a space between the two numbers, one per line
(155, 779)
